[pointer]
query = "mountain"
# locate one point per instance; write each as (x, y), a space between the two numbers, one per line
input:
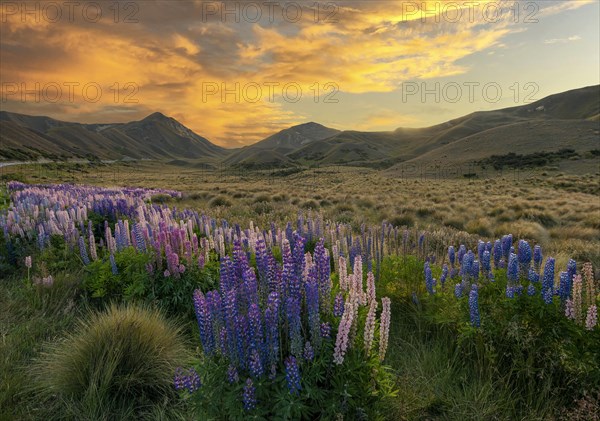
(154, 137)
(273, 149)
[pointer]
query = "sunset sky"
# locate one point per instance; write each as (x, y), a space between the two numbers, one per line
(358, 65)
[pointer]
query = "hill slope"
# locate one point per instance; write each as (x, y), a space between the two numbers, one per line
(156, 137)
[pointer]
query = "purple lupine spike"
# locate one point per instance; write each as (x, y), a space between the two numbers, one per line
(474, 306)
(230, 313)
(272, 327)
(451, 255)
(571, 272)
(444, 275)
(512, 272)
(429, 281)
(533, 276)
(486, 266)
(506, 246)
(83, 251)
(338, 305)
(458, 290)
(249, 395)
(255, 364)
(292, 375)
(462, 250)
(294, 324)
(312, 304)
(480, 250)
(524, 255)
(256, 327)
(475, 270)
(309, 352)
(563, 286)
(204, 317)
(325, 330)
(113, 265)
(232, 375)
(548, 281)
(497, 253)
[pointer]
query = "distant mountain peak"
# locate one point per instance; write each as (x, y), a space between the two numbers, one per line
(157, 116)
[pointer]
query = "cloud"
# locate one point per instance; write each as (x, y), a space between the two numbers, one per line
(175, 51)
(562, 40)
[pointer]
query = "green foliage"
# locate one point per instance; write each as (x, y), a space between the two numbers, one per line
(116, 365)
(360, 388)
(134, 283)
(538, 159)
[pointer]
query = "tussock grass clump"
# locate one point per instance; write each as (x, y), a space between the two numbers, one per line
(220, 201)
(118, 363)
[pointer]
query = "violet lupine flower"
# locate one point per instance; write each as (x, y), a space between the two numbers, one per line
(249, 395)
(192, 381)
(370, 325)
(571, 271)
(563, 286)
(231, 315)
(569, 310)
(83, 251)
(537, 258)
(204, 318)
(294, 324)
(475, 270)
(113, 265)
(255, 365)
(548, 281)
(510, 291)
(451, 255)
(592, 317)
(512, 272)
(480, 250)
(384, 331)
(486, 266)
(292, 375)
(312, 306)
(524, 256)
(533, 276)
(466, 269)
(178, 379)
(458, 290)
(338, 305)
(429, 281)
(309, 352)
(462, 250)
(444, 275)
(497, 253)
(255, 326)
(272, 327)
(474, 306)
(232, 375)
(325, 330)
(531, 290)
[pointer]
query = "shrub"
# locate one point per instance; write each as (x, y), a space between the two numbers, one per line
(220, 201)
(117, 364)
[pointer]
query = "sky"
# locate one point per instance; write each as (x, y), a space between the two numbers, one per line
(238, 71)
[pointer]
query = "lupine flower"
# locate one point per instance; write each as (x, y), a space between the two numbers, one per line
(113, 265)
(192, 381)
(309, 352)
(474, 306)
(533, 276)
(571, 271)
(475, 270)
(232, 375)
(415, 299)
(497, 253)
(444, 275)
(451, 255)
(510, 291)
(178, 379)
(325, 330)
(341, 342)
(249, 395)
(563, 286)
(480, 249)
(83, 251)
(28, 262)
(507, 246)
(462, 250)
(524, 256)
(292, 375)
(548, 281)
(486, 266)
(512, 273)
(255, 364)
(384, 331)
(338, 305)
(295, 334)
(370, 325)
(531, 290)
(592, 317)
(429, 281)
(569, 310)
(370, 288)
(458, 290)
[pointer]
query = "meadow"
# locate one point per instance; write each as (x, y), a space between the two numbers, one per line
(323, 293)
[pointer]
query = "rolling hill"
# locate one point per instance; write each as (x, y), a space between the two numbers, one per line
(568, 120)
(157, 136)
